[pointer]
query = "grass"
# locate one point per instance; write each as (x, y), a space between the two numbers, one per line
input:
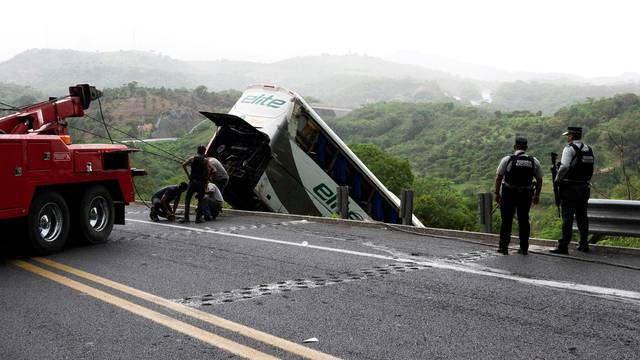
(620, 241)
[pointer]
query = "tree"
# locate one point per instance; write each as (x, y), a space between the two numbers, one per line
(394, 172)
(437, 204)
(132, 86)
(200, 92)
(27, 99)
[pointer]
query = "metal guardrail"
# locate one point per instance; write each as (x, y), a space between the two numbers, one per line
(613, 217)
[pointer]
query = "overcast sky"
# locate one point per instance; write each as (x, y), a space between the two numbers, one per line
(589, 38)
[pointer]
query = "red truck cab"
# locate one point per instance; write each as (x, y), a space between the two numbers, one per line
(58, 190)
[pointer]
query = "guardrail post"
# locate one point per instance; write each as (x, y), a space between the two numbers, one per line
(343, 201)
(485, 205)
(406, 207)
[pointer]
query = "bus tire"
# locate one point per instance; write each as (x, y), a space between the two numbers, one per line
(48, 223)
(96, 215)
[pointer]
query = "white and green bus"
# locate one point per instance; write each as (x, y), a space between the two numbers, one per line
(282, 157)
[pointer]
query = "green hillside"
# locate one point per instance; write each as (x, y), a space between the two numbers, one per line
(144, 112)
(465, 144)
(13, 95)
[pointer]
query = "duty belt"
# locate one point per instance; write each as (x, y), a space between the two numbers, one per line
(567, 182)
(518, 188)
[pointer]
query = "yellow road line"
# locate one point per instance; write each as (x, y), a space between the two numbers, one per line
(177, 325)
(195, 313)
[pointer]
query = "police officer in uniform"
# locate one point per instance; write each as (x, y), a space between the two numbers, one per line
(197, 182)
(515, 176)
(574, 174)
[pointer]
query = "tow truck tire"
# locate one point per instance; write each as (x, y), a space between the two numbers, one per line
(48, 223)
(96, 214)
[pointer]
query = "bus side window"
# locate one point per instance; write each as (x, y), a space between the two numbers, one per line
(391, 215)
(377, 211)
(306, 133)
(321, 150)
(356, 186)
(333, 152)
(339, 170)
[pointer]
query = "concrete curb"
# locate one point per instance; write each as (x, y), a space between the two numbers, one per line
(484, 238)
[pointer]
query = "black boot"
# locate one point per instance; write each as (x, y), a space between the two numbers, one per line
(560, 250)
(583, 247)
(153, 215)
(503, 251)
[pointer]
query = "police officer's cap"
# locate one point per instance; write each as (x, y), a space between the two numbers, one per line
(573, 130)
(521, 140)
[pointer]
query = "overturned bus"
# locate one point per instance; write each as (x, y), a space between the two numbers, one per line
(282, 157)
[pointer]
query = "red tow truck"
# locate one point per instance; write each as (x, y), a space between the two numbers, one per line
(52, 189)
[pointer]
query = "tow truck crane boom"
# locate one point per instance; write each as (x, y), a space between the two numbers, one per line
(48, 117)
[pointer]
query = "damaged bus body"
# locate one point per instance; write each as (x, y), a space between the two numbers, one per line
(282, 157)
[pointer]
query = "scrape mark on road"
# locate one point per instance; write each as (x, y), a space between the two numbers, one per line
(285, 286)
(459, 258)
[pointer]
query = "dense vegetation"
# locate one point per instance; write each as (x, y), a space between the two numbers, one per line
(464, 144)
(12, 95)
(152, 112)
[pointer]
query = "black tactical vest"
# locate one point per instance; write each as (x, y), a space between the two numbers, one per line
(521, 172)
(198, 169)
(581, 167)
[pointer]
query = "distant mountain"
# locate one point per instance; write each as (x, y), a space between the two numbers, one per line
(459, 68)
(339, 80)
(491, 74)
(332, 79)
(52, 71)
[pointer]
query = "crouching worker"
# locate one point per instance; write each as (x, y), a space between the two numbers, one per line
(162, 199)
(213, 202)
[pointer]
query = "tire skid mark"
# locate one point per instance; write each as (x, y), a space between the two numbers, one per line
(285, 286)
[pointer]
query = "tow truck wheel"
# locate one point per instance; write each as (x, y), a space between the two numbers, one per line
(96, 215)
(48, 223)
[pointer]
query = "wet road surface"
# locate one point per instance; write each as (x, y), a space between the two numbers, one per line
(248, 286)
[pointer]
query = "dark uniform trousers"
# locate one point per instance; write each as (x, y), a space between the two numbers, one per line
(515, 200)
(197, 187)
(574, 200)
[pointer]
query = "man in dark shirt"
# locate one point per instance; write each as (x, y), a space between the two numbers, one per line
(197, 182)
(162, 199)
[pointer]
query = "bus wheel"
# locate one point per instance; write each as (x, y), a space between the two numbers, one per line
(96, 215)
(48, 223)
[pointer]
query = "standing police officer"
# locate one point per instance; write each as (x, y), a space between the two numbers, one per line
(515, 175)
(574, 174)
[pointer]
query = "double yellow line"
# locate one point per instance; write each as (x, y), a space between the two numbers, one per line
(177, 325)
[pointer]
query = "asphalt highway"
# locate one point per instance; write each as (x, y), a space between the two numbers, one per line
(256, 286)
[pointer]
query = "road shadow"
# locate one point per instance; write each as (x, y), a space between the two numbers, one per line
(14, 243)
